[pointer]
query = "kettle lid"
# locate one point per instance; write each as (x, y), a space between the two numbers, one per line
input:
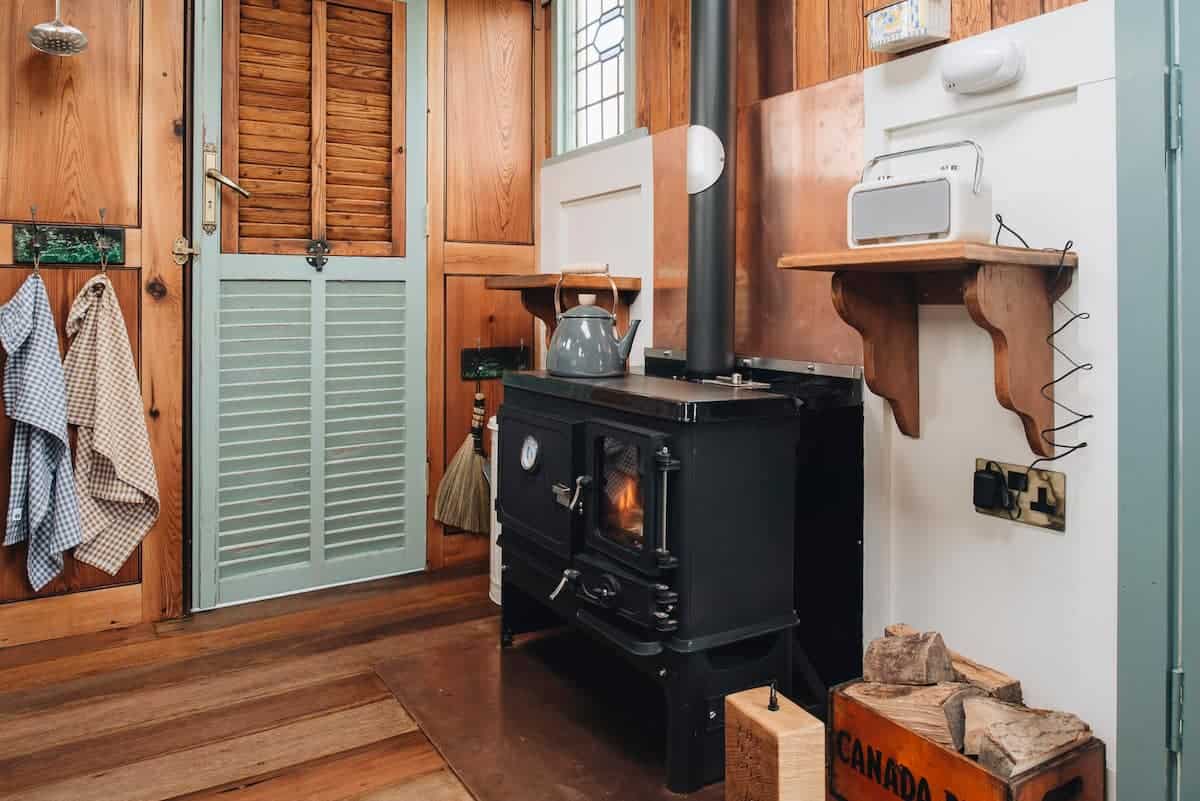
(587, 308)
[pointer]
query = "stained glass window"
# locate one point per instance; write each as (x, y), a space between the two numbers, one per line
(594, 62)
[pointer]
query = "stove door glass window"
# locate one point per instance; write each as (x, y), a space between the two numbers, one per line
(623, 506)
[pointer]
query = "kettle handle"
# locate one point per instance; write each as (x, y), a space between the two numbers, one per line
(583, 269)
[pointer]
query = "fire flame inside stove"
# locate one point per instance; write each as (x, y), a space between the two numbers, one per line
(627, 511)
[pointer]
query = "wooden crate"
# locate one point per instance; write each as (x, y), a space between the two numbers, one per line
(872, 758)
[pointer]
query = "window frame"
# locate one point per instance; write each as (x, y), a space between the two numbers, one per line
(563, 51)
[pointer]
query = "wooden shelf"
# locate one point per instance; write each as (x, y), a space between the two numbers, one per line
(1009, 292)
(537, 293)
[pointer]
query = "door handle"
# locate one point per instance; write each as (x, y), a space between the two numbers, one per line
(563, 495)
(212, 177)
(225, 180)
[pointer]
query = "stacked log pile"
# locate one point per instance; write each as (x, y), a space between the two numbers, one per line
(914, 679)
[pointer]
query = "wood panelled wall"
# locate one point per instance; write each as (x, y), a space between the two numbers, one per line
(79, 134)
(784, 45)
(58, 145)
(488, 66)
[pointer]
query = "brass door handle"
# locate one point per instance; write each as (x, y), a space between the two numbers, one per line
(224, 180)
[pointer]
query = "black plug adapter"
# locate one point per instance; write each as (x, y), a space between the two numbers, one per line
(991, 490)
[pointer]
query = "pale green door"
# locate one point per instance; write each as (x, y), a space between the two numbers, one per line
(1186, 397)
(309, 384)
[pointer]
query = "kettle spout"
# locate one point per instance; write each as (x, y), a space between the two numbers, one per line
(625, 343)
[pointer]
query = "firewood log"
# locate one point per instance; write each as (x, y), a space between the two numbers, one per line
(912, 659)
(1012, 747)
(984, 711)
(993, 682)
(934, 712)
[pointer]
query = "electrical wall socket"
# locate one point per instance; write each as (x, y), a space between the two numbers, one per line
(1042, 503)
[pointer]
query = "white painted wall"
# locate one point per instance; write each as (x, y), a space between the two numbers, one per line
(1040, 605)
(598, 206)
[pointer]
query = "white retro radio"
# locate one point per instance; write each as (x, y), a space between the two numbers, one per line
(942, 205)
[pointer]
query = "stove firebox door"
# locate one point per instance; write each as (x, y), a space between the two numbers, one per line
(537, 479)
(626, 510)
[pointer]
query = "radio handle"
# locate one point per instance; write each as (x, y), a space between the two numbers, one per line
(916, 151)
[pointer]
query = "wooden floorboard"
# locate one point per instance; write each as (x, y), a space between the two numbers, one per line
(199, 689)
(95, 753)
(91, 684)
(262, 702)
(392, 763)
(440, 786)
(182, 644)
(40, 652)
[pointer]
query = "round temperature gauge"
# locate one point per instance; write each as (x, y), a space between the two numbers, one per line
(531, 454)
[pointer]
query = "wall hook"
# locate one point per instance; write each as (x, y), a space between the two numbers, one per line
(37, 241)
(103, 243)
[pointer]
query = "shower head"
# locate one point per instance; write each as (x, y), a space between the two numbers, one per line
(58, 38)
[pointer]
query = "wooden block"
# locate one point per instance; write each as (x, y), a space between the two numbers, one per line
(935, 713)
(910, 659)
(772, 756)
(979, 713)
(993, 682)
(1012, 747)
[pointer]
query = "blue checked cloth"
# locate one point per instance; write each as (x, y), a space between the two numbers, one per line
(42, 506)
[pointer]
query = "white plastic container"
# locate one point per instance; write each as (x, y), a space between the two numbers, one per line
(906, 24)
(494, 437)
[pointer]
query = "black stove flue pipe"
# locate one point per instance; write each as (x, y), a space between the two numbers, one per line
(710, 296)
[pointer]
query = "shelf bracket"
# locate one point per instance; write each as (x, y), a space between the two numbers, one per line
(1015, 305)
(882, 307)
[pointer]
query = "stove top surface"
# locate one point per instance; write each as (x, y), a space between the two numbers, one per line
(684, 401)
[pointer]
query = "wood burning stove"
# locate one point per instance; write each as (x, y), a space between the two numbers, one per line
(659, 516)
(668, 518)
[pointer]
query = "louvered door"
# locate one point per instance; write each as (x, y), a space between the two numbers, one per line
(314, 120)
(311, 390)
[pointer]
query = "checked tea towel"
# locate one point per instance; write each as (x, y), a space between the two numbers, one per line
(114, 468)
(42, 506)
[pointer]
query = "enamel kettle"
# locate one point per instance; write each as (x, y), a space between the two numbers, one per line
(585, 342)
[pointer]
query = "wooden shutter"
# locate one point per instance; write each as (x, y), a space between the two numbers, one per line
(264, 428)
(313, 117)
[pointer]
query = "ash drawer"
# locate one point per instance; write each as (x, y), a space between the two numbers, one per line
(873, 758)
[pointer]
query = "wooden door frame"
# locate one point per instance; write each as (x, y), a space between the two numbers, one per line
(164, 304)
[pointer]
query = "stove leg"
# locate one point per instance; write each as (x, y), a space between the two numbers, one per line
(521, 614)
(686, 730)
(696, 693)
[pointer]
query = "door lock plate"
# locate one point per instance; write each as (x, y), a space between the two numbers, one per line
(208, 219)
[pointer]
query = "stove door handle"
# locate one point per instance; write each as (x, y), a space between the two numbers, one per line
(562, 493)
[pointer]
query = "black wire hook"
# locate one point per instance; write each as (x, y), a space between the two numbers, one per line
(1076, 366)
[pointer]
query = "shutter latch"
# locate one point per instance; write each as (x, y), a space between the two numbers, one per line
(318, 253)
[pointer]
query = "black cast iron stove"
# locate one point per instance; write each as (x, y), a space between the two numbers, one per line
(659, 516)
(669, 515)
